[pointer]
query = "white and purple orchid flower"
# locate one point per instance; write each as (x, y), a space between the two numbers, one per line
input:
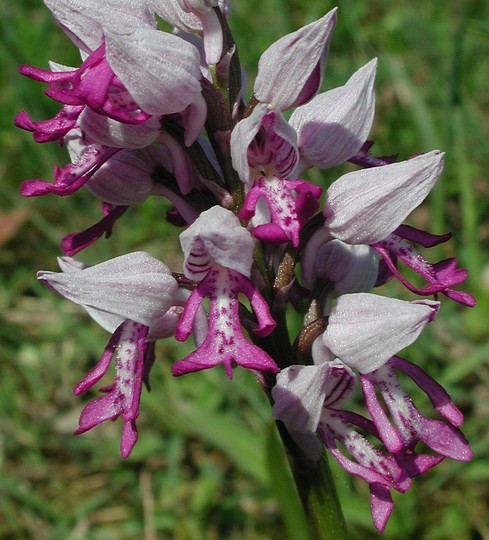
(218, 255)
(367, 207)
(152, 113)
(131, 296)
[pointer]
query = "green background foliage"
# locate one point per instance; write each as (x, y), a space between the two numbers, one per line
(208, 464)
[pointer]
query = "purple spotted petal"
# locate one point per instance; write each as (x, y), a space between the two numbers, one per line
(408, 423)
(224, 343)
(122, 398)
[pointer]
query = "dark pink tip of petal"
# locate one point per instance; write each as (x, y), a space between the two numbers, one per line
(381, 505)
(265, 329)
(182, 367)
(461, 297)
(437, 394)
(446, 272)
(35, 188)
(271, 233)
(23, 120)
(102, 365)
(416, 464)
(97, 411)
(423, 238)
(446, 440)
(53, 129)
(44, 75)
(75, 242)
(129, 438)
(264, 363)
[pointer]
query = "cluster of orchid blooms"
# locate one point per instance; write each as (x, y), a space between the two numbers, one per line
(153, 113)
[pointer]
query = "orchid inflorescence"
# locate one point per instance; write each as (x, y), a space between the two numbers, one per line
(152, 113)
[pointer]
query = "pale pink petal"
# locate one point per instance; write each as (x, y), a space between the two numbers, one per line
(216, 237)
(333, 126)
(161, 71)
(82, 20)
(135, 286)
(365, 206)
(290, 70)
(365, 330)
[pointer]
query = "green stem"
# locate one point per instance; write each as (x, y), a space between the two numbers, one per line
(317, 492)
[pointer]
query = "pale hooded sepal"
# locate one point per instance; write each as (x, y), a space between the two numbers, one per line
(334, 125)
(104, 130)
(216, 237)
(126, 178)
(301, 393)
(122, 397)
(351, 268)
(135, 286)
(366, 330)
(83, 20)
(290, 71)
(160, 71)
(365, 206)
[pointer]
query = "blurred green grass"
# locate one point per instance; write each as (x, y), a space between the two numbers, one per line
(201, 469)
